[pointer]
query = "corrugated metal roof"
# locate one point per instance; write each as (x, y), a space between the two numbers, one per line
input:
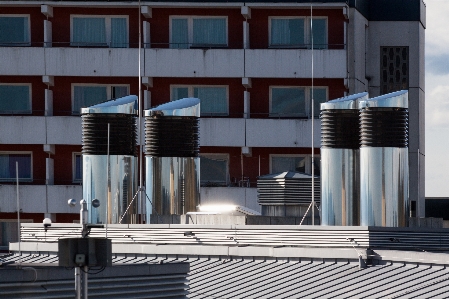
(249, 277)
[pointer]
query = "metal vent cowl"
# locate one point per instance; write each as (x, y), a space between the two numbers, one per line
(384, 127)
(122, 137)
(340, 128)
(171, 136)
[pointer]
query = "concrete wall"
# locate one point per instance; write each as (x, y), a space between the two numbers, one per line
(39, 198)
(411, 34)
(214, 63)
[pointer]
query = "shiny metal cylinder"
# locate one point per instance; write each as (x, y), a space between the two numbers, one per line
(171, 158)
(384, 186)
(116, 194)
(384, 170)
(110, 160)
(340, 193)
(172, 184)
(340, 176)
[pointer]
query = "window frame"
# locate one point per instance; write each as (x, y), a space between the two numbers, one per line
(224, 156)
(307, 36)
(74, 179)
(307, 101)
(26, 43)
(30, 101)
(190, 93)
(190, 19)
(31, 165)
(108, 92)
(307, 159)
(108, 28)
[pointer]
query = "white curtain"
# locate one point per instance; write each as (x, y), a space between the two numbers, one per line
(287, 102)
(15, 99)
(179, 93)
(319, 33)
(14, 31)
(287, 32)
(85, 96)
(213, 100)
(282, 164)
(119, 33)
(209, 31)
(179, 34)
(89, 32)
(319, 96)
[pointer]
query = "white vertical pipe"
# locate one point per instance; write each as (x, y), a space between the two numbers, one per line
(77, 282)
(108, 182)
(18, 210)
(85, 289)
(313, 149)
(141, 198)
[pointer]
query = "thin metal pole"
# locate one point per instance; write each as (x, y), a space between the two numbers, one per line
(18, 211)
(313, 120)
(85, 289)
(108, 183)
(77, 283)
(141, 198)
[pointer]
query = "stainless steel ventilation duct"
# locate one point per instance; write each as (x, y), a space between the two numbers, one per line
(340, 196)
(112, 181)
(384, 169)
(171, 157)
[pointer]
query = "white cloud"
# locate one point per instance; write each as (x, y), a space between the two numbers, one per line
(437, 37)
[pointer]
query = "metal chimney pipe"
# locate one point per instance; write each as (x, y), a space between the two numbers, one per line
(340, 194)
(171, 157)
(114, 185)
(384, 172)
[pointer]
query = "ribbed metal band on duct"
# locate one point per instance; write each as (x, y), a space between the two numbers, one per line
(171, 136)
(384, 127)
(122, 137)
(340, 129)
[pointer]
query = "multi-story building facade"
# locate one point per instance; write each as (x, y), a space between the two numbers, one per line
(254, 65)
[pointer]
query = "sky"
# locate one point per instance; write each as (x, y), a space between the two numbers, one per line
(437, 98)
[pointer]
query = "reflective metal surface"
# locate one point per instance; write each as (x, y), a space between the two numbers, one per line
(182, 107)
(172, 185)
(115, 190)
(340, 192)
(398, 99)
(349, 102)
(384, 186)
(125, 105)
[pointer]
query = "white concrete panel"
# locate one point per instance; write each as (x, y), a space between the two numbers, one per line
(63, 130)
(32, 198)
(279, 63)
(356, 51)
(92, 62)
(221, 63)
(19, 61)
(282, 133)
(390, 34)
(246, 197)
(22, 130)
(222, 132)
(58, 196)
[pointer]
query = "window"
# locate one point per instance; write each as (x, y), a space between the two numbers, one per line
(189, 32)
(88, 95)
(213, 99)
(303, 164)
(14, 30)
(99, 31)
(293, 101)
(8, 166)
(296, 32)
(15, 98)
(77, 167)
(394, 69)
(214, 170)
